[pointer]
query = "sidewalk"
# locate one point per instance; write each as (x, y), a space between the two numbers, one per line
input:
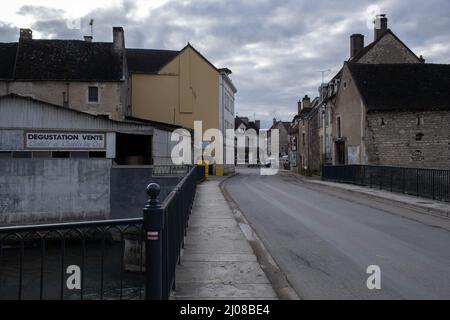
(218, 262)
(425, 205)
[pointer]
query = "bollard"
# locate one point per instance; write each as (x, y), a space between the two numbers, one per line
(153, 227)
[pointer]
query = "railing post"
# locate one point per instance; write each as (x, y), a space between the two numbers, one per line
(153, 227)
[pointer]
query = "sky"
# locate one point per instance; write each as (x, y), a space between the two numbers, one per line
(275, 48)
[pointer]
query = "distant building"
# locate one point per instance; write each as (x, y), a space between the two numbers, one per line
(242, 124)
(226, 97)
(283, 128)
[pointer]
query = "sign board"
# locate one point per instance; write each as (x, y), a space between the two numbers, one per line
(65, 140)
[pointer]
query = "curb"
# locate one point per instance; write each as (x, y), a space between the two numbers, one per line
(418, 209)
(277, 278)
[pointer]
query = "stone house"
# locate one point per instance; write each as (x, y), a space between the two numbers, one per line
(283, 128)
(87, 76)
(394, 115)
(242, 125)
(325, 125)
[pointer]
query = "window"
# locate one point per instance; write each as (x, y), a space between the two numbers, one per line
(303, 139)
(61, 154)
(97, 154)
(419, 136)
(93, 94)
(42, 154)
(5, 154)
(419, 120)
(339, 129)
(22, 155)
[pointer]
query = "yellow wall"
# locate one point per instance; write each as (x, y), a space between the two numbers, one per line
(185, 90)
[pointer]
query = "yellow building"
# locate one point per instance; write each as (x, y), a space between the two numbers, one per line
(174, 87)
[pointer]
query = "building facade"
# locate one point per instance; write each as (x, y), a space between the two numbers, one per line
(87, 76)
(341, 129)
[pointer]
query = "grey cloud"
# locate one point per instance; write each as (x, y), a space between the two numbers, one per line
(275, 48)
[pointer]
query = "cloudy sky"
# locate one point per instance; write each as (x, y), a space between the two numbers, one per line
(276, 49)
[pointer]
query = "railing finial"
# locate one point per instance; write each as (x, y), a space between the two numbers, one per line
(153, 190)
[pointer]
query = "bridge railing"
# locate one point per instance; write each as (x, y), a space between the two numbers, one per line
(427, 183)
(108, 259)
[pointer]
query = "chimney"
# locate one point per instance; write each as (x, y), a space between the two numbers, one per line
(118, 38)
(306, 102)
(88, 38)
(274, 121)
(258, 124)
(381, 25)
(299, 106)
(26, 34)
(356, 44)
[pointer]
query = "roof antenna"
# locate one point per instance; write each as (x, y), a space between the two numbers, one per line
(323, 74)
(91, 24)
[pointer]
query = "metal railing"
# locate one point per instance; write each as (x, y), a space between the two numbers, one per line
(427, 183)
(41, 261)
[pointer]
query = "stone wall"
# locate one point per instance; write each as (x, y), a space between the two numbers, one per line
(389, 50)
(413, 139)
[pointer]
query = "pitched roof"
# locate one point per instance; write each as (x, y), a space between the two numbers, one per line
(148, 61)
(7, 60)
(244, 120)
(403, 86)
(371, 45)
(74, 60)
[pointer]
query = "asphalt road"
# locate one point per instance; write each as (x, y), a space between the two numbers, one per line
(324, 239)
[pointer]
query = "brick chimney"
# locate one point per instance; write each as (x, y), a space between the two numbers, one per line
(306, 102)
(118, 38)
(381, 25)
(356, 44)
(26, 34)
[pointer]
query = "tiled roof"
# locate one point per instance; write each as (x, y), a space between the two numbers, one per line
(61, 60)
(148, 61)
(403, 86)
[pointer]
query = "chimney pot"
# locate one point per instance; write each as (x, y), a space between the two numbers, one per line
(118, 38)
(381, 25)
(356, 44)
(26, 34)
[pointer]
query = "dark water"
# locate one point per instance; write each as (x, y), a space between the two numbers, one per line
(112, 283)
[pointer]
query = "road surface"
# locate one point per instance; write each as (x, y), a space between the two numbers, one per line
(324, 239)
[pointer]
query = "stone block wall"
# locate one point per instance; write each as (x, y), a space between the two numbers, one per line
(413, 139)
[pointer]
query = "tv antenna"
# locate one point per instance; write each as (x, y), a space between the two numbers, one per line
(323, 74)
(91, 24)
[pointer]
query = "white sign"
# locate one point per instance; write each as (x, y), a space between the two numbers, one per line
(65, 140)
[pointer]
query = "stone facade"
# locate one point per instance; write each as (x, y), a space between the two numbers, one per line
(389, 49)
(412, 139)
(112, 98)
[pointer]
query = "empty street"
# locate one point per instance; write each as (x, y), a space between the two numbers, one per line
(324, 239)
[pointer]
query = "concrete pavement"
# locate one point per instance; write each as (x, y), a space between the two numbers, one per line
(218, 262)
